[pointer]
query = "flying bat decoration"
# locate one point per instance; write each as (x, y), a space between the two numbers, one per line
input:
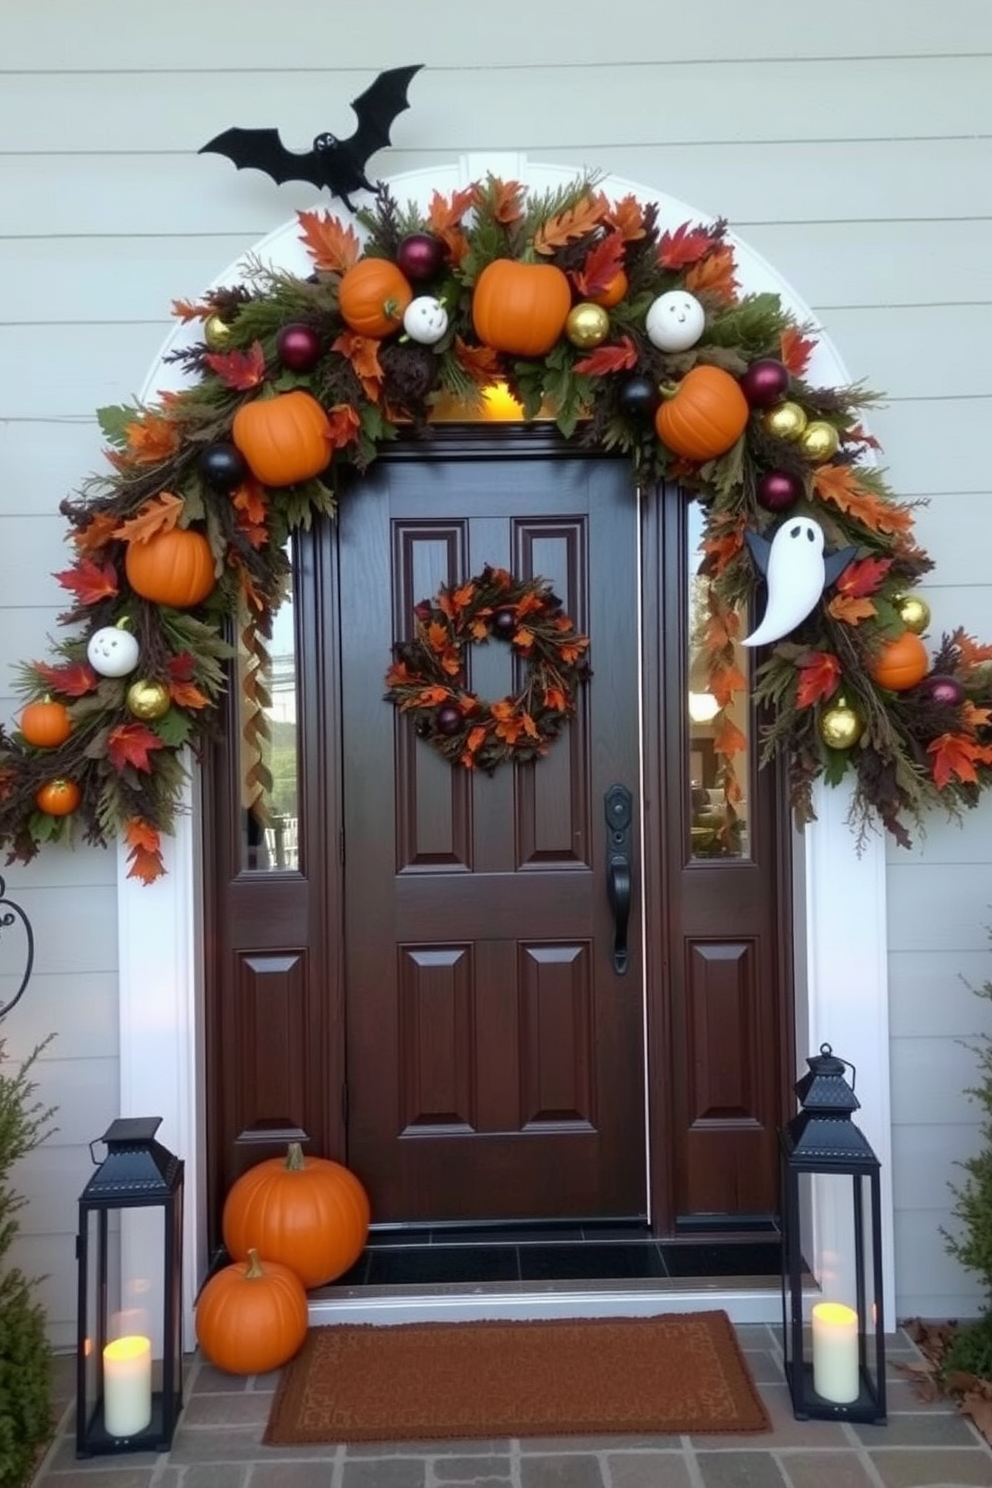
(796, 572)
(338, 164)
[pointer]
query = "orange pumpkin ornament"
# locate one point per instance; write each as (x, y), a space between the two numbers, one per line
(901, 663)
(612, 292)
(58, 797)
(703, 415)
(251, 1317)
(308, 1213)
(45, 723)
(171, 568)
(520, 307)
(372, 297)
(284, 439)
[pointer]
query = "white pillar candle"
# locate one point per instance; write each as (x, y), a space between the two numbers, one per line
(127, 1385)
(835, 1352)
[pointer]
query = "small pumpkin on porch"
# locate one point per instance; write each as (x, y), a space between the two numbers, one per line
(251, 1316)
(285, 439)
(173, 568)
(309, 1213)
(520, 307)
(703, 415)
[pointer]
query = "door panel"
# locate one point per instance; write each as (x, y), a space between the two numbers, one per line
(494, 1056)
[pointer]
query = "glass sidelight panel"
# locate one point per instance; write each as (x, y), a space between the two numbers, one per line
(717, 715)
(268, 741)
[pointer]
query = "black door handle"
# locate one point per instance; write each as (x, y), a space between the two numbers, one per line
(619, 810)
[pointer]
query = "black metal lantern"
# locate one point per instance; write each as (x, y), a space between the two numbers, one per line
(129, 1321)
(835, 1360)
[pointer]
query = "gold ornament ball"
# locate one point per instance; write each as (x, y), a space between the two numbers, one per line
(914, 612)
(587, 325)
(820, 441)
(148, 700)
(840, 726)
(785, 421)
(216, 332)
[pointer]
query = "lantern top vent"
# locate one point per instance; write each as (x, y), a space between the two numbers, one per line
(136, 1166)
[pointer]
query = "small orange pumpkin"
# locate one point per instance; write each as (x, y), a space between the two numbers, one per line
(251, 1316)
(284, 439)
(46, 723)
(901, 663)
(612, 292)
(308, 1213)
(520, 307)
(171, 568)
(58, 797)
(703, 415)
(372, 297)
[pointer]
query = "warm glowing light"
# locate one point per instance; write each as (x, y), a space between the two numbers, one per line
(703, 707)
(835, 1352)
(127, 1386)
(500, 405)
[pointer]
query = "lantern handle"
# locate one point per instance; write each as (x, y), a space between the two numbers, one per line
(828, 1053)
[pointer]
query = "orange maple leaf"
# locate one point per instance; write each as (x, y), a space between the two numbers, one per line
(972, 652)
(329, 244)
(626, 215)
(724, 544)
(851, 610)
(151, 439)
(188, 695)
(728, 739)
(955, 757)
(89, 581)
(480, 362)
(609, 359)
(865, 576)
(240, 370)
(819, 677)
(145, 854)
(972, 717)
(96, 534)
(795, 350)
(603, 262)
(724, 681)
(251, 499)
(189, 310)
(686, 245)
(73, 679)
(444, 216)
(507, 202)
(429, 697)
(363, 354)
(714, 275)
(575, 223)
(132, 744)
(345, 423)
(159, 514)
(838, 484)
(554, 698)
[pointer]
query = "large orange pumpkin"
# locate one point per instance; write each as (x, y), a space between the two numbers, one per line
(306, 1212)
(703, 415)
(372, 297)
(901, 663)
(171, 568)
(45, 723)
(284, 439)
(520, 307)
(251, 1317)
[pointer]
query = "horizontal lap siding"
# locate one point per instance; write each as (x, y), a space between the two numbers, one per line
(855, 156)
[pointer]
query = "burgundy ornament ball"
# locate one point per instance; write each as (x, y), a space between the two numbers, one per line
(448, 720)
(420, 256)
(777, 490)
(945, 691)
(765, 382)
(298, 347)
(222, 466)
(639, 397)
(504, 623)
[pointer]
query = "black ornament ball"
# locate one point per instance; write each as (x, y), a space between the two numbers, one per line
(222, 466)
(777, 490)
(638, 397)
(765, 382)
(504, 623)
(448, 720)
(298, 346)
(420, 256)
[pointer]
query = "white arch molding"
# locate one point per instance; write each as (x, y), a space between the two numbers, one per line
(839, 929)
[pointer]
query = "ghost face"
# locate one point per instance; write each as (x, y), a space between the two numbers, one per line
(112, 652)
(675, 321)
(425, 320)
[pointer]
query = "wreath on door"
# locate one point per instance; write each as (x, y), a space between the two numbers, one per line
(633, 335)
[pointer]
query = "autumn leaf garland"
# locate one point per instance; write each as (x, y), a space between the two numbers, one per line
(928, 745)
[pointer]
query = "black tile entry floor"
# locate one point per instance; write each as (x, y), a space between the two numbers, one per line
(557, 1253)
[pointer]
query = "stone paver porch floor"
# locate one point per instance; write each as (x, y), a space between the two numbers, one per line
(218, 1445)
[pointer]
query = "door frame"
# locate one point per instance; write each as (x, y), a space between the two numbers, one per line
(839, 910)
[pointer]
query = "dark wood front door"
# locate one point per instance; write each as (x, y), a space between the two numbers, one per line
(494, 1053)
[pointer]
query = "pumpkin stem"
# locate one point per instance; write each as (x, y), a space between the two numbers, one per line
(254, 1270)
(668, 389)
(295, 1161)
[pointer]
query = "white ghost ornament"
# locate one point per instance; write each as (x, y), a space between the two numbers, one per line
(796, 573)
(675, 321)
(425, 320)
(112, 652)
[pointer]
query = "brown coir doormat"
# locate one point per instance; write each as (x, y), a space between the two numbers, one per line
(415, 1381)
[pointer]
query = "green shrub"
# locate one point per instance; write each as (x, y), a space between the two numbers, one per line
(25, 1356)
(971, 1243)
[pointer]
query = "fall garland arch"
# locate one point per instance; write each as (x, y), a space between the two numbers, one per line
(198, 476)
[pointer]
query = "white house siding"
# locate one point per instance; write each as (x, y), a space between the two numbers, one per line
(854, 151)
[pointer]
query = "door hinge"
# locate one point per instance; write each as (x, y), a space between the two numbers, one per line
(344, 1103)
